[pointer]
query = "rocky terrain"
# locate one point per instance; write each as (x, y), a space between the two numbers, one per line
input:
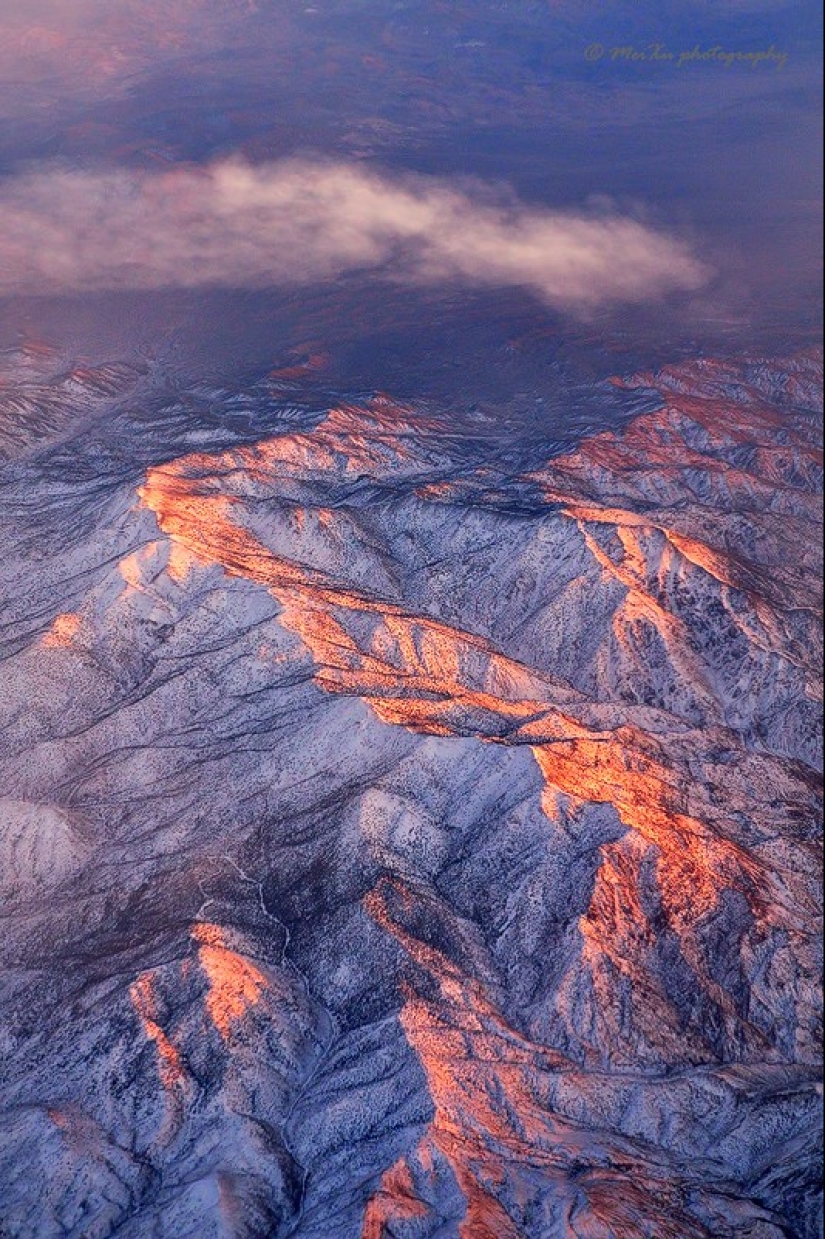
(400, 844)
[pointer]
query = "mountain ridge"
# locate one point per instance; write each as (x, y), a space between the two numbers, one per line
(425, 867)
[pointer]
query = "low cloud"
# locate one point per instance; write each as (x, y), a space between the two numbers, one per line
(233, 224)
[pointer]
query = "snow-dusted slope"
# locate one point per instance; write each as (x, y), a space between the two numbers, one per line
(398, 848)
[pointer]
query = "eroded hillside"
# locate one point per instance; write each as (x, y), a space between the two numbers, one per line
(396, 848)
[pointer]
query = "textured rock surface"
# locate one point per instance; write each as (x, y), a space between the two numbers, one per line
(396, 846)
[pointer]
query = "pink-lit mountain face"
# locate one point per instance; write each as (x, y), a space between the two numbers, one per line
(396, 847)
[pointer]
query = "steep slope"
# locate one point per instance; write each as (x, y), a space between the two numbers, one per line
(398, 847)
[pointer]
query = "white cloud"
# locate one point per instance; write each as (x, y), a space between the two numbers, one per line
(234, 224)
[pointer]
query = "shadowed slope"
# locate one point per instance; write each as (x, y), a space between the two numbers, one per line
(425, 851)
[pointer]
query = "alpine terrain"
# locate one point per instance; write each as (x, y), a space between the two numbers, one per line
(404, 835)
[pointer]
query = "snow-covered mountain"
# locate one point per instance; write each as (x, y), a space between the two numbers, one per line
(397, 845)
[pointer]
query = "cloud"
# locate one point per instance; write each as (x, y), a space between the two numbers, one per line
(234, 224)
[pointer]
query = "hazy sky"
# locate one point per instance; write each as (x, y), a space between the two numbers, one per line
(590, 156)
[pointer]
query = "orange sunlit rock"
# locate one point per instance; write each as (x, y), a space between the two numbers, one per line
(424, 675)
(395, 1200)
(64, 628)
(493, 1123)
(145, 1001)
(235, 985)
